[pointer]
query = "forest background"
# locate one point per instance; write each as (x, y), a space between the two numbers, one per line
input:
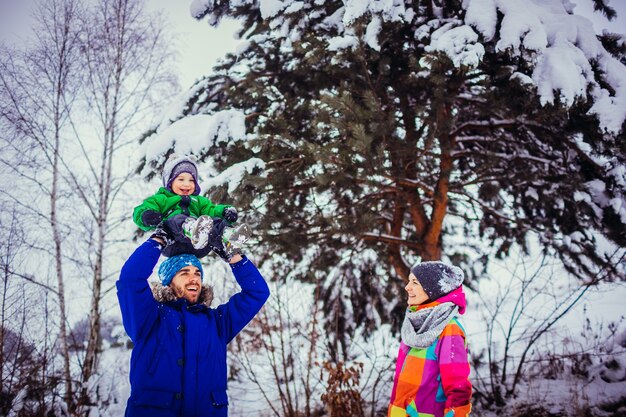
(356, 138)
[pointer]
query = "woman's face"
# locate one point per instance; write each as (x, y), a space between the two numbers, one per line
(416, 293)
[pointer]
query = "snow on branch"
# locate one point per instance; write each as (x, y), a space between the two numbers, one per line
(565, 59)
(270, 8)
(459, 43)
(564, 46)
(388, 10)
(233, 175)
(196, 133)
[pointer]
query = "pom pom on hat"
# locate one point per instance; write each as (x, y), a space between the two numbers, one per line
(438, 278)
(175, 166)
(172, 265)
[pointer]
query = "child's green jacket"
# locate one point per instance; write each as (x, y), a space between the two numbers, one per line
(170, 204)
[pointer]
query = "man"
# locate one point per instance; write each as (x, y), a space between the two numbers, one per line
(178, 362)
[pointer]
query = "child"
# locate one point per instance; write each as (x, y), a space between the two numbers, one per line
(184, 218)
(432, 370)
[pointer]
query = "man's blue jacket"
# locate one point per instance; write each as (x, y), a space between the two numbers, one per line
(178, 363)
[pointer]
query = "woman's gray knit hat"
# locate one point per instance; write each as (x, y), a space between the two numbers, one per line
(438, 278)
(175, 166)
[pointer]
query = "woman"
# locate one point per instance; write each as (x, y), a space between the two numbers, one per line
(432, 369)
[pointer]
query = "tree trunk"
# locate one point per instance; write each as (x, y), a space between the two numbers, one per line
(57, 238)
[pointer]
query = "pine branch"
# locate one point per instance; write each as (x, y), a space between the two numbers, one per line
(605, 9)
(392, 240)
(483, 125)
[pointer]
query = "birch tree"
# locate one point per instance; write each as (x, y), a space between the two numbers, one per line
(39, 87)
(127, 59)
(73, 101)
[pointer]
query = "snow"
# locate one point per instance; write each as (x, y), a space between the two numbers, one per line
(233, 175)
(531, 192)
(335, 20)
(620, 207)
(294, 7)
(196, 133)
(242, 47)
(563, 44)
(619, 174)
(338, 43)
(600, 199)
(482, 15)
(593, 326)
(521, 27)
(450, 280)
(371, 33)
(564, 70)
(522, 78)
(459, 43)
(597, 189)
(270, 8)
(581, 196)
(610, 108)
(198, 7)
(379, 11)
(354, 9)
(175, 109)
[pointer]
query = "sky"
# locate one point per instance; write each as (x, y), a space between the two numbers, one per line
(585, 8)
(200, 45)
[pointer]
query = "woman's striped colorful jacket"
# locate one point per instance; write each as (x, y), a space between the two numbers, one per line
(430, 382)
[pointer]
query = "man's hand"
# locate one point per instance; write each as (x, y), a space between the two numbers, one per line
(236, 258)
(162, 235)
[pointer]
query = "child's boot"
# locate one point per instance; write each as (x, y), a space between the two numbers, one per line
(187, 226)
(198, 231)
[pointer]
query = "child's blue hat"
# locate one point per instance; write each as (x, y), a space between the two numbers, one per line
(172, 265)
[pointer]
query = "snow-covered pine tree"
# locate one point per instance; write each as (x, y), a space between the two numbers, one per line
(399, 130)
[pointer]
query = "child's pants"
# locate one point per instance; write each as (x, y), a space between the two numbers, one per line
(182, 244)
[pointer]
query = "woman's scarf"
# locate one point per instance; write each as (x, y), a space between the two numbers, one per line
(422, 326)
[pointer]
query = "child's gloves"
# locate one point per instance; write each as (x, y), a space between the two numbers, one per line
(151, 217)
(230, 215)
(462, 411)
